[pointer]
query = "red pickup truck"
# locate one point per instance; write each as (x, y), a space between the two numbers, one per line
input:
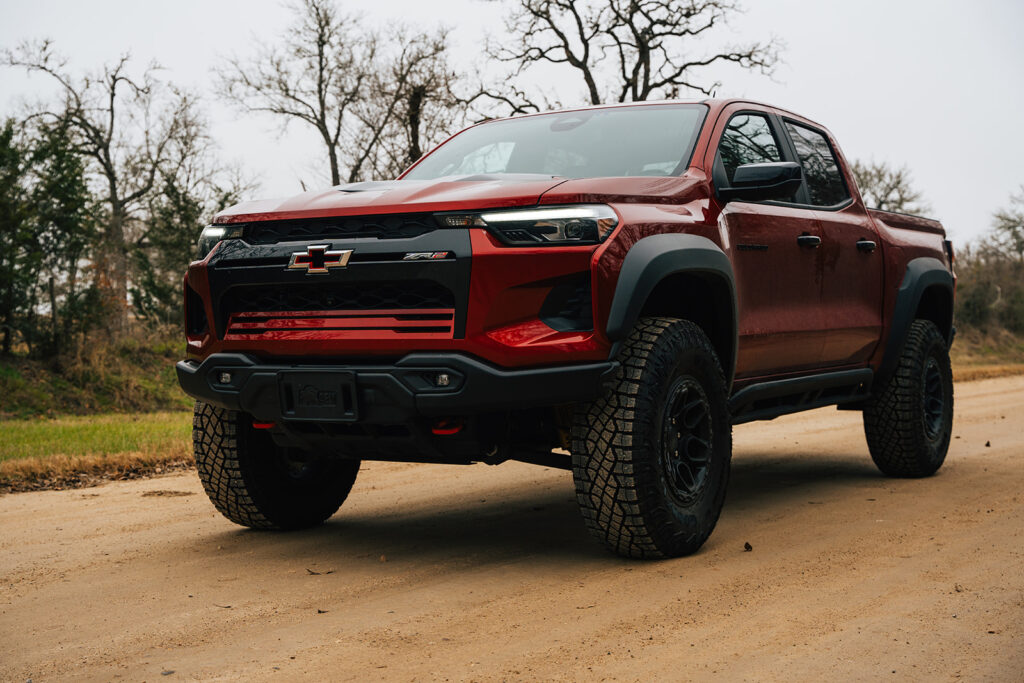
(607, 290)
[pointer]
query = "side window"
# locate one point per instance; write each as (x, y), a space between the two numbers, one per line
(747, 139)
(821, 171)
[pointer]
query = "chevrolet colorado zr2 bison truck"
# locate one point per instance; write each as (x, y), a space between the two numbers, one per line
(607, 289)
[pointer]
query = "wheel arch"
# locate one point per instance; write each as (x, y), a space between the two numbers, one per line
(926, 292)
(660, 276)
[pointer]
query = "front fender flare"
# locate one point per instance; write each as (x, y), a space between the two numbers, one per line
(654, 258)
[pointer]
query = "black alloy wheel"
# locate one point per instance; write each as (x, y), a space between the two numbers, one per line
(686, 440)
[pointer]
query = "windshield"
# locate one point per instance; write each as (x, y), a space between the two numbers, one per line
(648, 140)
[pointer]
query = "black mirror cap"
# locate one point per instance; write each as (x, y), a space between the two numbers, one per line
(759, 182)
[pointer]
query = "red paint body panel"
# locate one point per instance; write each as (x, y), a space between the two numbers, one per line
(407, 196)
(800, 310)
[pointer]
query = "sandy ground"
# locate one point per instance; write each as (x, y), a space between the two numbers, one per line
(483, 573)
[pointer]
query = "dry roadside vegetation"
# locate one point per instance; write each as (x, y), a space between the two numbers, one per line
(108, 411)
(69, 452)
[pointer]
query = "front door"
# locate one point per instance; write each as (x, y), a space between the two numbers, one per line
(774, 247)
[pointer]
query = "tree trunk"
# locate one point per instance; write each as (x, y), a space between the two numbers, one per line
(69, 296)
(415, 112)
(112, 272)
(8, 318)
(54, 323)
(332, 154)
(595, 98)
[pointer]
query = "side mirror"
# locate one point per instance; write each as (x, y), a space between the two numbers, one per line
(758, 182)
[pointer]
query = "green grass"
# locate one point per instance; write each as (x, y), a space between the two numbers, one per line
(106, 435)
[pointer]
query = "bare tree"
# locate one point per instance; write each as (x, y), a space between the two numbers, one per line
(1007, 233)
(410, 106)
(314, 76)
(125, 126)
(888, 188)
(377, 100)
(627, 50)
(193, 186)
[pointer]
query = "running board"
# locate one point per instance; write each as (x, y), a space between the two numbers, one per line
(768, 400)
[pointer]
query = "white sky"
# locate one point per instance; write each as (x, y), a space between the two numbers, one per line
(932, 84)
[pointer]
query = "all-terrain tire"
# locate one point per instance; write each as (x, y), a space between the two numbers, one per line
(255, 483)
(908, 421)
(650, 459)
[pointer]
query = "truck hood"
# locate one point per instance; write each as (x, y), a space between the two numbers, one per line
(456, 193)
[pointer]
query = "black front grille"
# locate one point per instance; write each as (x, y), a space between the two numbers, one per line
(385, 227)
(337, 297)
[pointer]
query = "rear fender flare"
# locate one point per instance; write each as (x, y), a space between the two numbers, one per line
(921, 274)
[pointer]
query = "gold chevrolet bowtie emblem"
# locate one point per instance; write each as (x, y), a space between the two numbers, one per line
(318, 258)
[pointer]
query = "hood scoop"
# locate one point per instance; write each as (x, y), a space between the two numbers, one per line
(384, 185)
(367, 186)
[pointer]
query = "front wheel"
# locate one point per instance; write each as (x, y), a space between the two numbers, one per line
(256, 483)
(908, 421)
(651, 458)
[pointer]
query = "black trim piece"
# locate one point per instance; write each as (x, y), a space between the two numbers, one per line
(654, 258)
(835, 207)
(397, 393)
(378, 227)
(768, 400)
(568, 307)
(196, 323)
(921, 273)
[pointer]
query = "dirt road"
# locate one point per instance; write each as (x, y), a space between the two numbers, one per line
(439, 572)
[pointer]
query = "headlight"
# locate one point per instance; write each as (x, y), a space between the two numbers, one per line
(212, 234)
(555, 225)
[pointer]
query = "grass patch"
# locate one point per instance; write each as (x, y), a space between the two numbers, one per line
(78, 451)
(135, 374)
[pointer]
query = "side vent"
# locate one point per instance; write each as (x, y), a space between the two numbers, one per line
(568, 307)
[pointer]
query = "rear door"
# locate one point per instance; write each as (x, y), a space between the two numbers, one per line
(850, 256)
(778, 278)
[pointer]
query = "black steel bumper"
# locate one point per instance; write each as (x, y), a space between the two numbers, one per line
(394, 393)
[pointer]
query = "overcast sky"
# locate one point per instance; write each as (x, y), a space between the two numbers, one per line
(931, 84)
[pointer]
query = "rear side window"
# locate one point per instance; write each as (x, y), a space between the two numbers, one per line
(747, 139)
(821, 171)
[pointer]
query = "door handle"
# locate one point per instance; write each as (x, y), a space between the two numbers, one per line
(866, 245)
(809, 241)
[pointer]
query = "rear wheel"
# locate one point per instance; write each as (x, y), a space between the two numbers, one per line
(908, 421)
(651, 458)
(256, 483)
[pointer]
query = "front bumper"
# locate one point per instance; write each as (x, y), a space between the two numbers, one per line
(396, 393)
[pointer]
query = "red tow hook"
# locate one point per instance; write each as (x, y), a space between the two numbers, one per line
(263, 425)
(447, 427)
